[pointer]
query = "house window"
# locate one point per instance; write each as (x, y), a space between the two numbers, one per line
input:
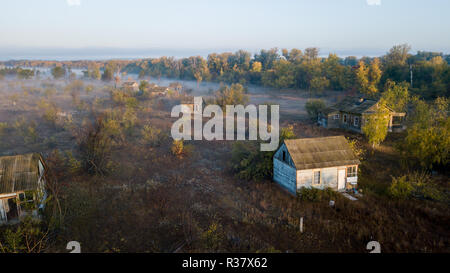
(336, 116)
(351, 171)
(345, 118)
(356, 121)
(317, 177)
(284, 156)
(22, 197)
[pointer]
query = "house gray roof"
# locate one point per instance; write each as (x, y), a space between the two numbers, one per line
(175, 85)
(130, 84)
(355, 105)
(321, 152)
(19, 173)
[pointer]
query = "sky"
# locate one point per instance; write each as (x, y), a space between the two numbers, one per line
(140, 28)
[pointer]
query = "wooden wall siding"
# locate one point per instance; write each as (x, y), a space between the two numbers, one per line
(279, 155)
(333, 123)
(284, 175)
(328, 176)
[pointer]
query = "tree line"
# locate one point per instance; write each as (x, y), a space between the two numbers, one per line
(427, 73)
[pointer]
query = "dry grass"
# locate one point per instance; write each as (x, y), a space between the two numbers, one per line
(155, 202)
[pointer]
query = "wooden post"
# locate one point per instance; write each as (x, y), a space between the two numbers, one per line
(301, 224)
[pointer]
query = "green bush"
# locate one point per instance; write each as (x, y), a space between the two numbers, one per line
(315, 195)
(249, 163)
(313, 107)
(415, 185)
(400, 188)
(152, 136)
(3, 126)
(27, 237)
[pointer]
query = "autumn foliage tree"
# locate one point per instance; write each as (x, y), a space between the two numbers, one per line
(428, 137)
(376, 126)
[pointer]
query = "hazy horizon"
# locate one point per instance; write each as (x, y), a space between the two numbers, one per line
(85, 29)
(98, 53)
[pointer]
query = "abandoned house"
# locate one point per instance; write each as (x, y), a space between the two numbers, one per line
(176, 86)
(353, 112)
(131, 86)
(189, 101)
(323, 162)
(22, 187)
(159, 91)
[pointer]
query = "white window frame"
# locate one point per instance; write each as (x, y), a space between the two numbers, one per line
(356, 121)
(336, 116)
(314, 177)
(353, 172)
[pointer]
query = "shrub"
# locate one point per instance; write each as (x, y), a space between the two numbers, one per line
(248, 162)
(27, 130)
(315, 195)
(179, 149)
(3, 126)
(415, 185)
(95, 148)
(400, 188)
(58, 72)
(28, 237)
(89, 89)
(50, 111)
(213, 237)
(313, 107)
(356, 148)
(152, 136)
(231, 95)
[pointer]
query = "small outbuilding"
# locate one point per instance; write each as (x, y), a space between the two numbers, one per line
(353, 112)
(176, 86)
(22, 186)
(323, 162)
(130, 86)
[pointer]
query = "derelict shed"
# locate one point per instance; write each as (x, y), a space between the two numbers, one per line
(18, 173)
(325, 162)
(22, 180)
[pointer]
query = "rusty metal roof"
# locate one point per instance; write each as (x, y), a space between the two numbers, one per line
(19, 173)
(321, 152)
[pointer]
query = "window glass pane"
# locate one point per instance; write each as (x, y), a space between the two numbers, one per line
(351, 171)
(317, 177)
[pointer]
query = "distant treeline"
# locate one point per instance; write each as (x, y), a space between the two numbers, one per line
(306, 70)
(17, 71)
(427, 73)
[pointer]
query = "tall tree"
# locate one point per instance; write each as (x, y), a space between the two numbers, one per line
(376, 126)
(396, 96)
(362, 77)
(397, 55)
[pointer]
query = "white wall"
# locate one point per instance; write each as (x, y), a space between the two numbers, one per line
(328, 178)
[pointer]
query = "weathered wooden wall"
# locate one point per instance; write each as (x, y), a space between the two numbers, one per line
(284, 175)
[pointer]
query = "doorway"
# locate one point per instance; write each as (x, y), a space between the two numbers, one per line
(341, 179)
(12, 212)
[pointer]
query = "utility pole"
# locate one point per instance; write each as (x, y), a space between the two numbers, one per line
(301, 225)
(411, 74)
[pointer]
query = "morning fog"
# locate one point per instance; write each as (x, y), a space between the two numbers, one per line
(235, 117)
